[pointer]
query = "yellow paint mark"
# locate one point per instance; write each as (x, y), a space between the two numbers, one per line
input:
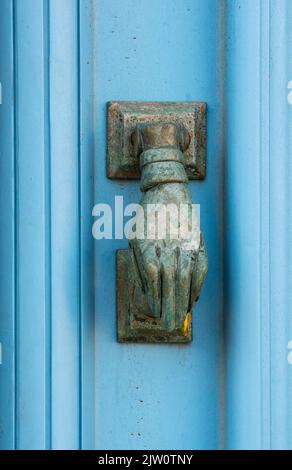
(187, 323)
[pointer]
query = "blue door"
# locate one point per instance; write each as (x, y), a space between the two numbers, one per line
(66, 383)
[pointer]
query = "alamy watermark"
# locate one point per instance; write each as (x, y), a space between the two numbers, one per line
(147, 222)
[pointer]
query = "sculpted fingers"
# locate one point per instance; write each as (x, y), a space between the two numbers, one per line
(199, 272)
(168, 291)
(184, 275)
(149, 269)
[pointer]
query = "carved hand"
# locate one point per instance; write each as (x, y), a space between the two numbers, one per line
(172, 266)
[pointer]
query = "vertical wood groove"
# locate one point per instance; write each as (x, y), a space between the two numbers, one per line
(86, 132)
(264, 188)
(79, 227)
(46, 32)
(15, 225)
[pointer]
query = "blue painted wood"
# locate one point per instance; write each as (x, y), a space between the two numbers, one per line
(7, 230)
(159, 396)
(45, 297)
(258, 225)
(280, 224)
(54, 296)
(86, 175)
(75, 386)
(242, 282)
(31, 240)
(64, 381)
(65, 223)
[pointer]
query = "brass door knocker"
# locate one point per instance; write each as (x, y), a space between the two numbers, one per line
(160, 275)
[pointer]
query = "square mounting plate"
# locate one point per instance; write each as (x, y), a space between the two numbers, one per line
(133, 324)
(123, 116)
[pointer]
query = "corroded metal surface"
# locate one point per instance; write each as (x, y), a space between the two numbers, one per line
(125, 116)
(160, 278)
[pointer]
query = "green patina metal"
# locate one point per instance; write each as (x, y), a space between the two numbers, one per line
(125, 116)
(159, 279)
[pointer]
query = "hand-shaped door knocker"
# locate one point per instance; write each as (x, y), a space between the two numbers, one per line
(160, 275)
